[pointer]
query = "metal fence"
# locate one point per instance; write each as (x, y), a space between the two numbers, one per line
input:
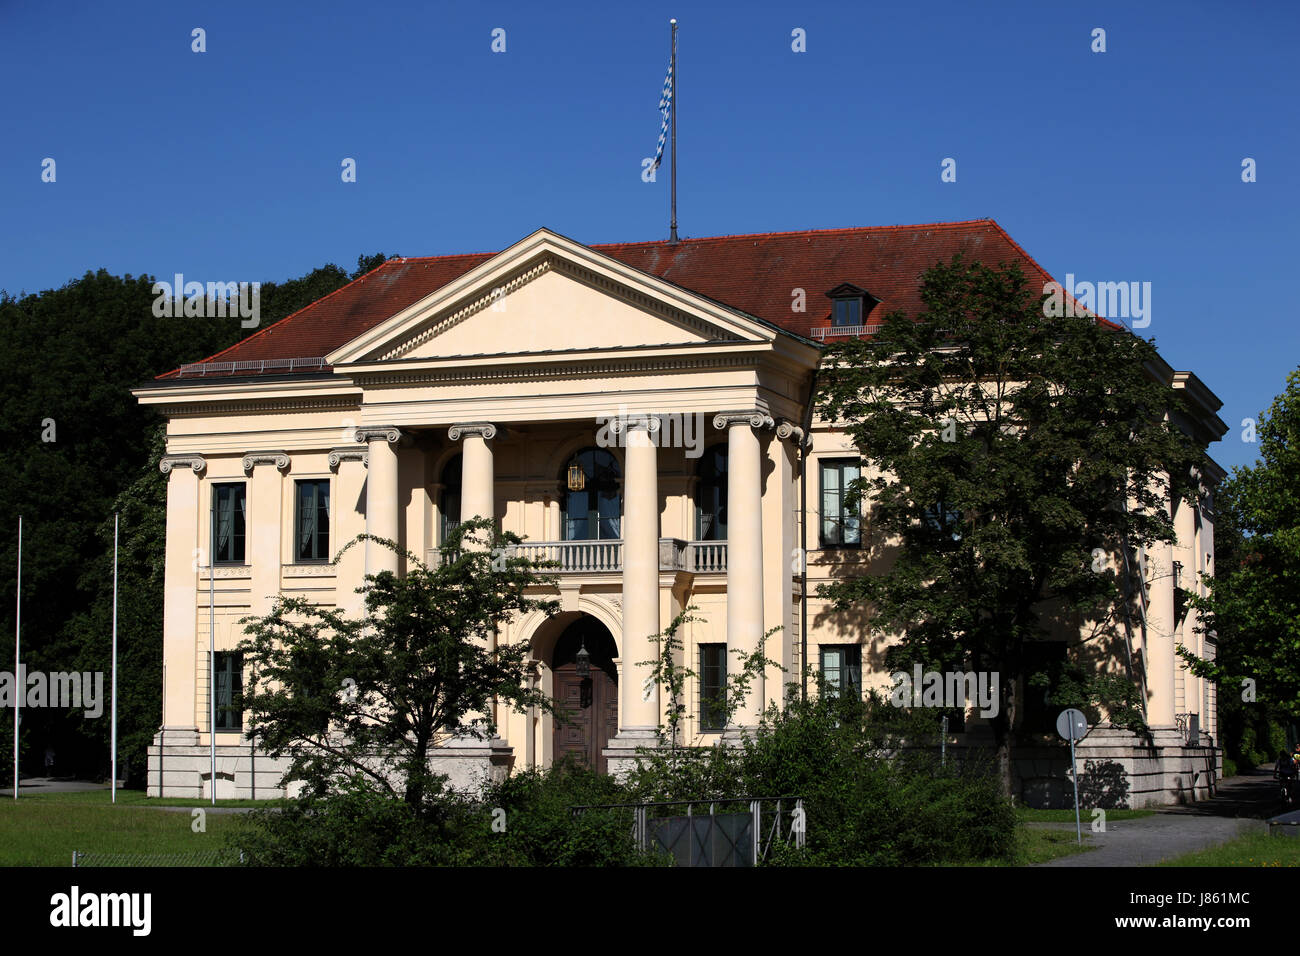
(738, 831)
(203, 858)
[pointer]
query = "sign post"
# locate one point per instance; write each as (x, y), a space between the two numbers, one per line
(1072, 725)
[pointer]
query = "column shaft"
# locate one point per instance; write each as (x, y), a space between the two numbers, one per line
(1160, 656)
(744, 559)
(381, 498)
(639, 699)
(180, 589)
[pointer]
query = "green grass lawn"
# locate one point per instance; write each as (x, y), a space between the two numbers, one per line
(137, 798)
(1255, 849)
(44, 830)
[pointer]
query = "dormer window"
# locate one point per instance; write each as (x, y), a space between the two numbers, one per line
(850, 305)
(847, 312)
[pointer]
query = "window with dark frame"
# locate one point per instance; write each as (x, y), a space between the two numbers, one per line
(841, 522)
(449, 499)
(846, 311)
(312, 521)
(593, 511)
(230, 689)
(711, 496)
(713, 687)
(842, 668)
(942, 517)
(229, 520)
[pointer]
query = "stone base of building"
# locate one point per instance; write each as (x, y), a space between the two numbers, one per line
(1118, 769)
(623, 754)
(181, 767)
(472, 763)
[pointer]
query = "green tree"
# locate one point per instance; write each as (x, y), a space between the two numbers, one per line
(1002, 445)
(362, 702)
(1254, 604)
(83, 447)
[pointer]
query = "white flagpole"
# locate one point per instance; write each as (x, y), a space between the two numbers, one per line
(20, 686)
(113, 782)
(212, 651)
(672, 105)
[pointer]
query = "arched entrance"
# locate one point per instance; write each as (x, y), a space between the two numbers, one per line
(589, 704)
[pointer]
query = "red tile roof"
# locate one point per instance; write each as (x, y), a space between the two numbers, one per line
(754, 273)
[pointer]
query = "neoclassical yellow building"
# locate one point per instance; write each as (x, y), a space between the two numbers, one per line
(640, 414)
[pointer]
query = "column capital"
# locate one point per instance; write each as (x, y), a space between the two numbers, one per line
(626, 424)
(197, 462)
(371, 433)
(787, 429)
(338, 455)
(487, 430)
(278, 458)
(753, 418)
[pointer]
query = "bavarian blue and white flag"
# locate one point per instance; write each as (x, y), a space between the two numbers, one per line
(665, 109)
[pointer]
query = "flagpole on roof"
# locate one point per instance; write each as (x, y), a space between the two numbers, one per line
(672, 233)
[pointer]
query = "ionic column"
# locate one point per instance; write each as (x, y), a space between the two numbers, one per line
(180, 589)
(639, 697)
(477, 481)
(265, 487)
(381, 497)
(1159, 644)
(1185, 530)
(744, 549)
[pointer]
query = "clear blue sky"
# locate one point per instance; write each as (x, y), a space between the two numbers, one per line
(1115, 166)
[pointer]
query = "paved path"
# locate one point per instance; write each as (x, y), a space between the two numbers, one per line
(49, 785)
(1240, 806)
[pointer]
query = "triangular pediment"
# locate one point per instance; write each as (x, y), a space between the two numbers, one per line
(548, 294)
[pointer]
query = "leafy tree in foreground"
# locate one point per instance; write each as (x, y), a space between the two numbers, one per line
(1002, 444)
(362, 703)
(1254, 601)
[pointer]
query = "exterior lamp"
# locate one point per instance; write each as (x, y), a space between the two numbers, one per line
(584, 660)
(577, 477)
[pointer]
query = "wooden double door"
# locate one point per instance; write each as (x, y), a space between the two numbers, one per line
(588, 706)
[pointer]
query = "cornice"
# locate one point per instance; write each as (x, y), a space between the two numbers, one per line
(257, 405)
(557, 370)
(476, 306)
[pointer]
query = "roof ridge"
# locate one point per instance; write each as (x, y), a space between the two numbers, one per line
(807, 232)
(314, 302)
(449, 255)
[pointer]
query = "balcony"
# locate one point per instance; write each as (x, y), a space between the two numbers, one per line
(606, 557)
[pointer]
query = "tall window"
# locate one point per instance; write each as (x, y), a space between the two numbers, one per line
(592, 511)
(713, 687)
(449, 500)
(312, 524)
(841, 521)
(228, 518)
(842, 668)
(230, 688)
(711, 501)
